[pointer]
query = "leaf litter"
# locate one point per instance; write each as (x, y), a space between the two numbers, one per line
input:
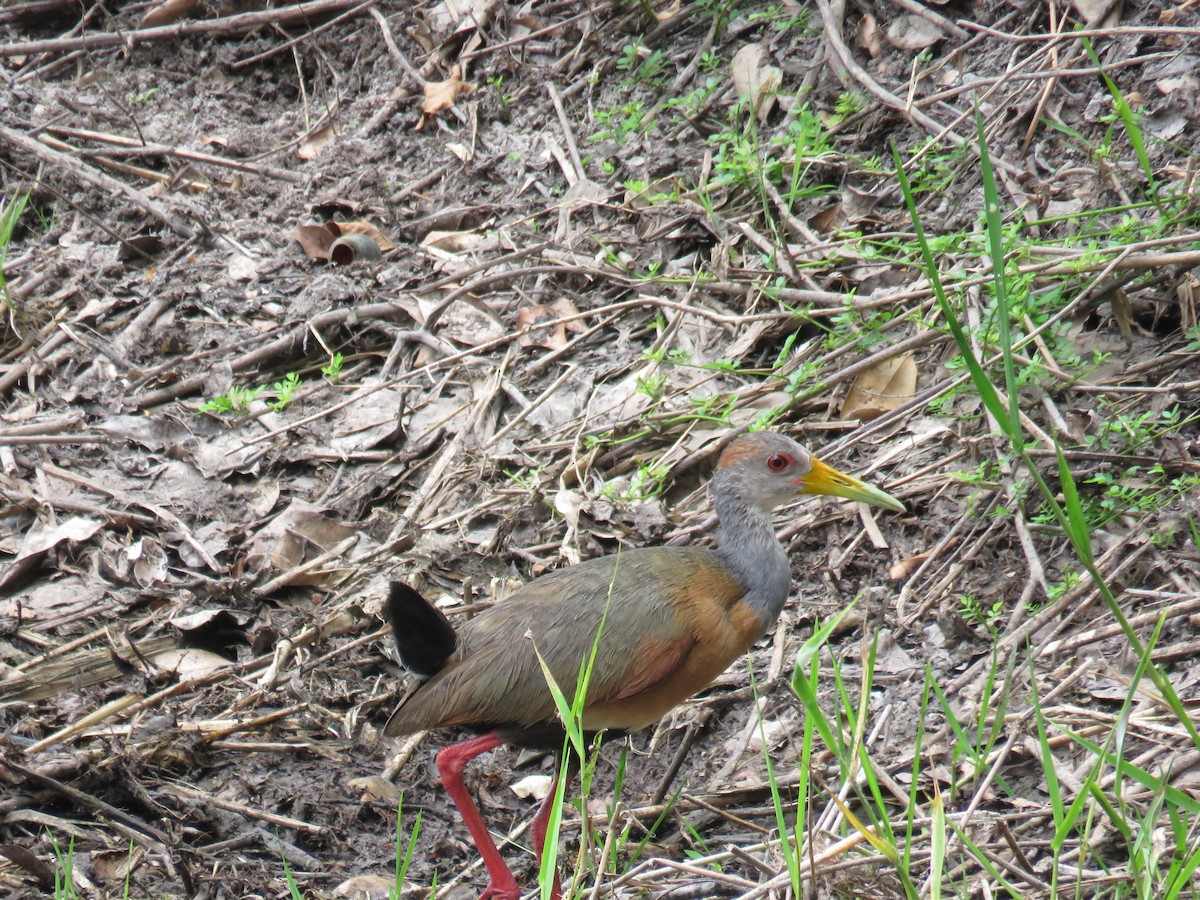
(540, 369)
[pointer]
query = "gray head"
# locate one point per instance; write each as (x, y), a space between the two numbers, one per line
(764, 469)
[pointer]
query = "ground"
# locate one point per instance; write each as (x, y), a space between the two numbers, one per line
(586, 244)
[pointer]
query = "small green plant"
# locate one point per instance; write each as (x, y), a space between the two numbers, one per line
(144, 96)
(652, 385)
(496, 82)
(643, 65)
(10, 212)
(780, 18)
(849, 103)
(238, 400)
(973, 611)
(333, 371)
(283, 391)
(646, 481)
(404, 855)
(64, 872)
(619, 123)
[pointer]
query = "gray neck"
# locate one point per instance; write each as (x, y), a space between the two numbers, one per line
(748, 547)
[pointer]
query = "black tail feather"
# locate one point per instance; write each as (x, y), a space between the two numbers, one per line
(424, 636)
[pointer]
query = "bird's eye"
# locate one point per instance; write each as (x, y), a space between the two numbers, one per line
(780, 462)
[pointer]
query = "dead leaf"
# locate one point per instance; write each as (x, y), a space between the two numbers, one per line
(536, 787)
(315, 240)
(311, 146)
(241, 267)
(149, 561)
(882, 387)
(374, 787)
(670, 12)
(551, 338)
(900, 570)
(300, 532)
(191, 662)
(362, 226)
(140, 248)
(910, 32)
(370, 887)
(1099, 13)
(1123, 314)
(372, 420)
(166, 12)
(755, 80)
(452, 241)
(870, 35)
(442, 95)
(40, 540)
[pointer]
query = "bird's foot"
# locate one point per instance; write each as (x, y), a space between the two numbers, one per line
(504, 891)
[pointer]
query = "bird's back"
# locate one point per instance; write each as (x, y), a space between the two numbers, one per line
(668, 618)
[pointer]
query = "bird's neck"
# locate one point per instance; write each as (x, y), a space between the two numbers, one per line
(748, 548)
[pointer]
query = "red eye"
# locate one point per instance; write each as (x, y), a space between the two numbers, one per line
(780, 462)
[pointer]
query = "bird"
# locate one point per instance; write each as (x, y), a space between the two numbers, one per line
(660, 623)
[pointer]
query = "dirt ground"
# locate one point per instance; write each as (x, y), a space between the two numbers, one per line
(218, 444)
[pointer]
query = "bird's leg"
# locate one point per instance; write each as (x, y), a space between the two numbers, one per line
(450, 764)
(542, 819)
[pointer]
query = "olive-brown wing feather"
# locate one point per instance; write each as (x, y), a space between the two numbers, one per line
(661, 615)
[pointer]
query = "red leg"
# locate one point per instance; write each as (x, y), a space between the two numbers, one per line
(450, 763)
(541, 820)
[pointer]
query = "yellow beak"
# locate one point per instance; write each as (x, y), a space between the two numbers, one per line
(823, 479)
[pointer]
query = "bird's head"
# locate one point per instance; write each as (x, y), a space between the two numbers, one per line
(766, 469)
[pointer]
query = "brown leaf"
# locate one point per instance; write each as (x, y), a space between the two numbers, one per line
(1099, 13)
(563, 308)
(315, 240)
(882, 387)
(900, 570)
(869, 35)
(361, 227)
(312, 145)
(755, 80)
(551, 338)
(670, 12)
(166, 12)
(440, 95)
(452, 241)
(911, 32)
(1123, 314)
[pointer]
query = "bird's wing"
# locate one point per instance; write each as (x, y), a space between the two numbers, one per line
(659, 615)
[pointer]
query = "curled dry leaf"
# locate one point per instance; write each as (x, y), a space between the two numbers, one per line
(339, 228)
(898, 571)
(913, 33)
(555, 337)
(191, 662)
(315, 240)
(442, 95)
(755, 80)
(882, 387)
(536, 787)
(300, 532)
(669, 12)
(311, 146)
(1099, 13)
(166, 12)
(870, 35)
(452, 241)
(40, 540)
(318, 241)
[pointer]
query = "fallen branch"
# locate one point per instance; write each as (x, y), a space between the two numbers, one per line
(228, 25)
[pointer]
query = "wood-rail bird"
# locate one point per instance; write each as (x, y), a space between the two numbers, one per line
(669, 620)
